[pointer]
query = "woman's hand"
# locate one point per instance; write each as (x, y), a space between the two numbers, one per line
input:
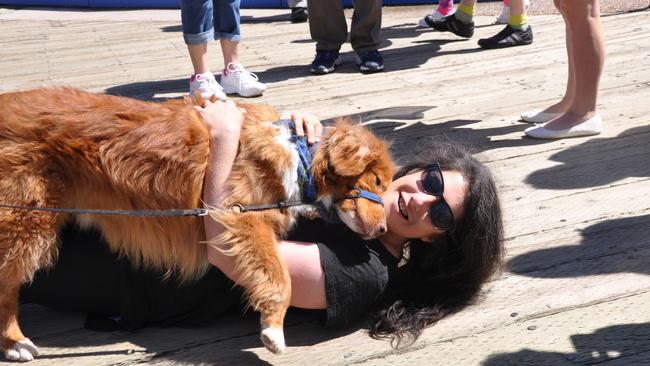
(224, 119)
(306, 124)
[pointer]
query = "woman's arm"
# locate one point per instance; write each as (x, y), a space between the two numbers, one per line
(307, 276)
(224, 121)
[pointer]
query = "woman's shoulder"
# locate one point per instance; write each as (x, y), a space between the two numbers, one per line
(341, 241)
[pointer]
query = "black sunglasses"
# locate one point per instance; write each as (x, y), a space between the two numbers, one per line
(434, 184)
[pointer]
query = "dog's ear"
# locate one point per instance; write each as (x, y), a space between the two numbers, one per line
(351, 148)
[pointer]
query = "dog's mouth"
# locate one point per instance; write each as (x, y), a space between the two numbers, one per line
(401, 206)
(366, 226)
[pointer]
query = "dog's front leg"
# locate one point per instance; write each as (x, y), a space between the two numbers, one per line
(28, 241)
(252, 240)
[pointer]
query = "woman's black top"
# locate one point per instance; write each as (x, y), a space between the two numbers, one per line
(89, 278)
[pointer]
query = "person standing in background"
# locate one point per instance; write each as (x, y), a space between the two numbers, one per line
(461, 23)
(329, 29)
(207, 20)
(576, 113)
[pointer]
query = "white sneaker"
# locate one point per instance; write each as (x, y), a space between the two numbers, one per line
(505, 13)
(236, 80)
(504, 16)
(436, 15)
(207, 85)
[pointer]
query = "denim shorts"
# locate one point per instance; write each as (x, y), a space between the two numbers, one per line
(206, 20)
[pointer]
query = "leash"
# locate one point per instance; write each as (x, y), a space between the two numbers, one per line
(197, 212)
(270, 206)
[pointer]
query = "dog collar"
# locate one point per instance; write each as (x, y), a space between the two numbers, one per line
(367, 195)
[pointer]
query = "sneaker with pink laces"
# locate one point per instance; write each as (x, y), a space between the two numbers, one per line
(236, 80)
(207, 85)
(435, 15)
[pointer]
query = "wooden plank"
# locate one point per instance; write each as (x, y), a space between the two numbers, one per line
(575, 337)
(577, 211)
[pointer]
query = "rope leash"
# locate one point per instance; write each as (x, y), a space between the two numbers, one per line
(193, 212)
(196, 212)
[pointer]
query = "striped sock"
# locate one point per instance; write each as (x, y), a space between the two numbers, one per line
(518, 21)
(465, 14)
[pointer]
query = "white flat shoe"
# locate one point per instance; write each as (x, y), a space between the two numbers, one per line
(537, 116)
(592, 126)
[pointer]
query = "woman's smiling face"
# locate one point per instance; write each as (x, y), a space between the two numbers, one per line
(407, 204)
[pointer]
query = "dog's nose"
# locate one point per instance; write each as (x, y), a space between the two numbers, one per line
(382, 229)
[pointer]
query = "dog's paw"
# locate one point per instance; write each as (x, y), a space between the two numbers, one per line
(273, 339)
(22, 351)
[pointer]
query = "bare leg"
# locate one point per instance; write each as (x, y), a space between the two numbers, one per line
(199, 57)
(563, 105)
(587, 58)
(517, 7)
(230, 50)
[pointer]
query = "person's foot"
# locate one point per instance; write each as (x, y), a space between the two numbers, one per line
(508, 37)
(539, 116)
(451, 24)
(505, 13)
(435, 16)
(325, 62)
(504, 16)
(370, 62)
(236, 80)
(206, 85)
(587, 127)
(299, 15)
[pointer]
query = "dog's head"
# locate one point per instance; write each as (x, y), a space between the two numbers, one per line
(349, 159)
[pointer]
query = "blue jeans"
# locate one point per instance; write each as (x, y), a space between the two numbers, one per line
(206, 20)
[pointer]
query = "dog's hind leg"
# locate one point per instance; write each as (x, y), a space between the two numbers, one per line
(252, 240)
(27, 243)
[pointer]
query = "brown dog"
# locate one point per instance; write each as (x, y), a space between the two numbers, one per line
(62, 147)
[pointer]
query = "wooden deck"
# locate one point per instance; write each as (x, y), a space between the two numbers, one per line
(575, 289)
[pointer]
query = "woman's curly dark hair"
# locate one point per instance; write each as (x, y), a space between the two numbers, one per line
(442, 277)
